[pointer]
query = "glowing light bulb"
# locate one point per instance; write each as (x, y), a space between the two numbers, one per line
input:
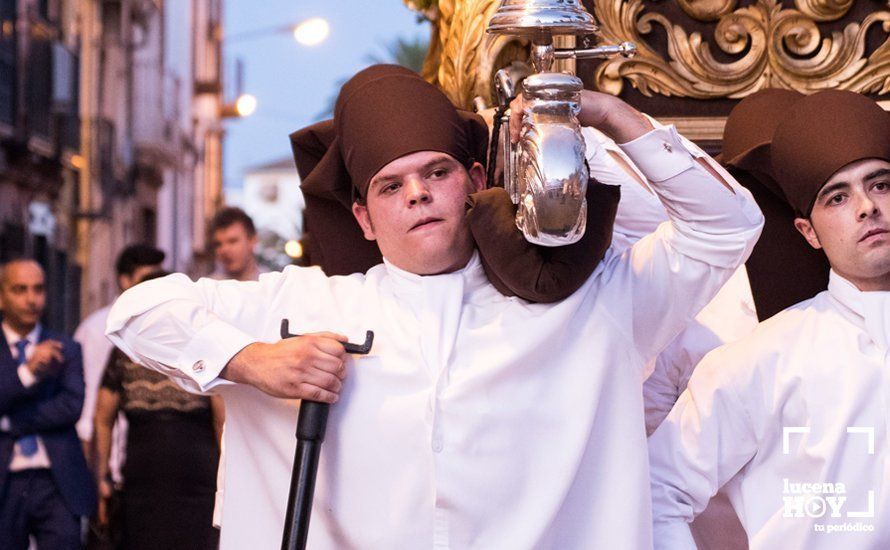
(312, 32)
(293, 249)
(245, 105)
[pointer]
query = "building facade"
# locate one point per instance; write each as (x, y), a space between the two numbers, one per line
(110, 134)
(271, 196)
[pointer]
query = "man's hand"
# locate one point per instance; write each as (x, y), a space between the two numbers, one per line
(306, 367)
(46, 359)
(605, 112)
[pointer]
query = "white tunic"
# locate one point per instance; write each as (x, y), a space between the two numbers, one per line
(477, 421)
(794, 420)
(728, 317)
(90, 334)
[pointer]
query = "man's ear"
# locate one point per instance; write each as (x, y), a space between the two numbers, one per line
(805, 227)
(363, 217)
(477, 177)
(124, 281)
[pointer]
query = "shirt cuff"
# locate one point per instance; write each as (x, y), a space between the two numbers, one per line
(659, 154)
(208, 352)
(26, 376)
(673, 536)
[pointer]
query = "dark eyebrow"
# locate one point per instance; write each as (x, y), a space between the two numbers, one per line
(443, 158)
(438, 160)
(832, 188)
(378, 181)
(878, 173)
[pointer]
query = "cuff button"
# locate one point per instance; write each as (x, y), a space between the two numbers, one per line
(198, 367)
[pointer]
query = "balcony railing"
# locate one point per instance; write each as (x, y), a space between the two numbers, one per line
(155, 112)
(65, 85)
(68, 131)
(39, 89)
(113, 161)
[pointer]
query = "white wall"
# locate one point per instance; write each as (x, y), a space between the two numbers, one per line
(274, 201)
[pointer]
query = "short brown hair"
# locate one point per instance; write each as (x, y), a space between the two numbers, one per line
(229, 216)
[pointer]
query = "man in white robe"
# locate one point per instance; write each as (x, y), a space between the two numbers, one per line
(478, 420)
(730, 315)
(792, 421)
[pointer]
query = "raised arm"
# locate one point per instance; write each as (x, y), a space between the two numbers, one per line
(656, 287)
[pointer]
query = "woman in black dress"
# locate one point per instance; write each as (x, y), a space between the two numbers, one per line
(172, 455)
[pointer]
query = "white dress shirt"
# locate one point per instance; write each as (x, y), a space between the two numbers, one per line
(478, 420)
(219, 500)
(90, 334)
(728, 317)
(794, 421)
(39, 459)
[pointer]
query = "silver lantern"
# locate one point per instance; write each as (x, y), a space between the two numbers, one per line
(546, 172)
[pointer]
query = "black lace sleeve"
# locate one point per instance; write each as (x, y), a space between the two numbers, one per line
(113, 379)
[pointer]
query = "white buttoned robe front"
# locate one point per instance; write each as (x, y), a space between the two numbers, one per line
(793, 422)
(477, 421)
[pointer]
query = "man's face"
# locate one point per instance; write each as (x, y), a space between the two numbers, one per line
(23, 295)
(126, 281)
(415, 210)
(233, 248)
(851, 222)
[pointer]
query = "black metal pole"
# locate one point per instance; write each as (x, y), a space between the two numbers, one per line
(310, 434)
(311, 425)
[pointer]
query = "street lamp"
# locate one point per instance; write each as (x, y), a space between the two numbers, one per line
(312, 32)
(245, 105)
(294, 249)
(309, 32)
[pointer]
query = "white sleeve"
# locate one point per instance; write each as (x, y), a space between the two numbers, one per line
(190, 330)
(96, 349)
(660, 392)
(658, 285)
(26, 377)
(707, 438)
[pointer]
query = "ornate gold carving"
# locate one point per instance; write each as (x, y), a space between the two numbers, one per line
(778, 47)
(824, 10)
(707, 10)
(698, 128)
(769, 45)
(463, 57)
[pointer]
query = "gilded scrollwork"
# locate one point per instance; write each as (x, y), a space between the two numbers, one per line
(707, 10)
(824, 10)
(776, 47)
(767, 43)
(463, 57)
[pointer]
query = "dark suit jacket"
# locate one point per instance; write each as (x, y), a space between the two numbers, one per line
(49, 408)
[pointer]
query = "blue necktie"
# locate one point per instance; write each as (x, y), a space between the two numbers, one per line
(28, 443)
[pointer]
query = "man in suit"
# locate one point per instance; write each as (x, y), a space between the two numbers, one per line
(45, 485)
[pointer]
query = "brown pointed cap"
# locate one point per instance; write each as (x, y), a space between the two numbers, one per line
(382, 113)
(780, 250)
(749, 131)
(821, 134)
